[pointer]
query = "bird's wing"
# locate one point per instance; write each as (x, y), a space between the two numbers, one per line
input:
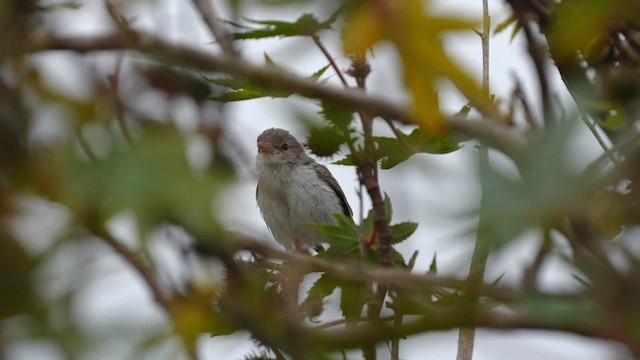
(326, 176)
(257, 190)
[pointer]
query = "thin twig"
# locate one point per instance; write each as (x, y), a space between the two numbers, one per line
(467, 335)
(332, 61)
(85, 146)
(506, 139)
(208, 13)
(114, 81)
(530, 277)
(539, 56)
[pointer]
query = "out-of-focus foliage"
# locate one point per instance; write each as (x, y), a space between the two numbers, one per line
(131, 142)
(415, 32)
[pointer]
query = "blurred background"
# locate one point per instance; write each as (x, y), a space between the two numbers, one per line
(69, 162)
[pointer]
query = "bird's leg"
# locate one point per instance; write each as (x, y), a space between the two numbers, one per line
(292, 279)
(372, 240)
(298, 245)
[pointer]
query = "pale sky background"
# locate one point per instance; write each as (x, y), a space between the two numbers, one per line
(435, 190)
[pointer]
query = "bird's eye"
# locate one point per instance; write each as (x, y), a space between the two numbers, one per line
(284, 147)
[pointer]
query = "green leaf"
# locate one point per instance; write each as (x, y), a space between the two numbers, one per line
(354, 296)
(343, 237)
(243, 89)
(388, 209)
(563, 310)
(512, 19)
(402, 231)
(325, 141)
(340, 117)
(614, 121)
(346, 161)
(305, 25)
(316, 75)
(546, 189)
(392, 152)
(433, 268)
(464, 110)
(152, 178)
(323, 287)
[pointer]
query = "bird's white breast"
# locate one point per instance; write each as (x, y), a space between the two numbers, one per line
(291, 197)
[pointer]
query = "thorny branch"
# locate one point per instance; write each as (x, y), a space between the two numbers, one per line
(504, 138)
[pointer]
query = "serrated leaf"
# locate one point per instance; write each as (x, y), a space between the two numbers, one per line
(325, 141)
(392, 152)
(343, 237)
(305, 25)
(347, 161)
(323, 287)
(316, 75)
(338, 116)
(505, 24)
(402, 231)
(243, 89)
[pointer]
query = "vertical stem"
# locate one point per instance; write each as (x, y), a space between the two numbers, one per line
(486, 32)
(368, 174)
(466, 336)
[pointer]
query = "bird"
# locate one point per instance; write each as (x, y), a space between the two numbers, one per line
(294, 190)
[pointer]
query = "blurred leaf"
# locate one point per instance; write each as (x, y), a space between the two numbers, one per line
(15, 277)
(388, 209)
(324, 141)
(464, 110)
(416, 33)
(578, 23)
(243, 89)
(323, 287)
(392, 152)
(614, 121)
(546, 189)
(354, 296)
(305, 25)
(433, 268)
(402, 231)
(153, 178)
(316, 75)
(563, 310)
(512, 19)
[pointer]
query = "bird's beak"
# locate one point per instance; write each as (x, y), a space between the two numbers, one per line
(265, 148)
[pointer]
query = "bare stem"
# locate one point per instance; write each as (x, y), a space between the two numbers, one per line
(332, 61)
(208, 13)
(466, 335)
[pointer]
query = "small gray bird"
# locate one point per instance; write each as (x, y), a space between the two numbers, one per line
(294, 190)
